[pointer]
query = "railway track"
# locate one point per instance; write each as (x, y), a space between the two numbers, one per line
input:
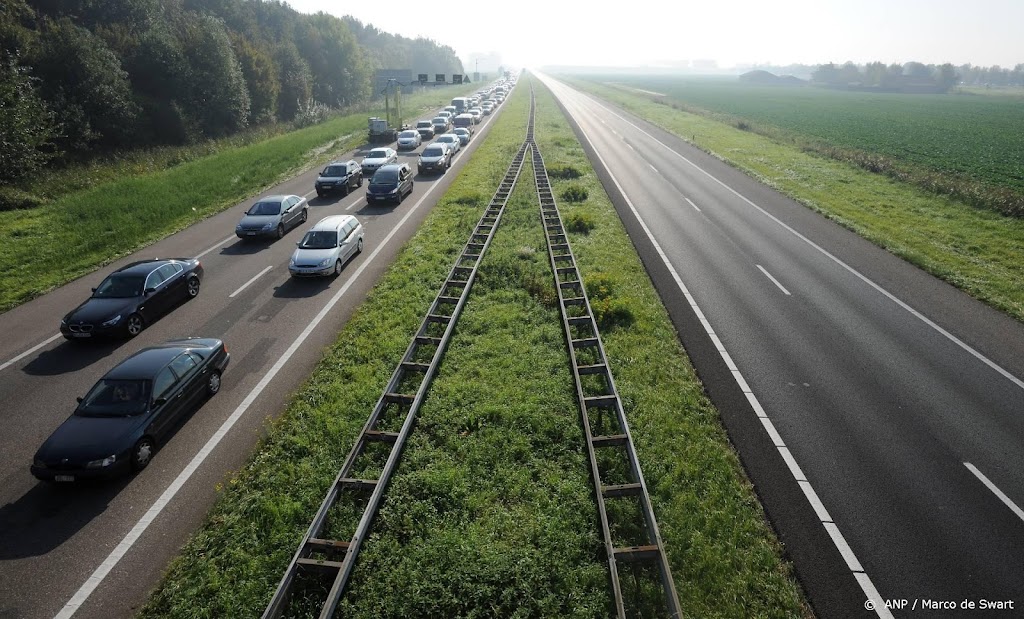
(321, 566)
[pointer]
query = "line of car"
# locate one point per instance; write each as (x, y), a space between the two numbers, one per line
(119, 424)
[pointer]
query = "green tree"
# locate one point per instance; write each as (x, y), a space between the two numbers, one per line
(296, 80)
(261, 78)
(946, 77)
(26, 125)
(217, 95)
(84, 84)
(874, 74)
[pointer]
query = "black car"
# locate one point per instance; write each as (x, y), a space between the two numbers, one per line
(133, 409)
(132, 297)
(390, 183)
(340, 176)
(435, 158)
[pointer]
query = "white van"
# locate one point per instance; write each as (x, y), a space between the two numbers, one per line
(461, 104)
(466, 121)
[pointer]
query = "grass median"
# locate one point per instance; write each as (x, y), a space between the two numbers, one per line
(977, 250)
(45, 247)
(491, 510)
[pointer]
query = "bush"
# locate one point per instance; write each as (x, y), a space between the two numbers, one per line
(14, 199)
(566, 172)
(574, 193)
(611, 313)
(580, 222)
(310, 113)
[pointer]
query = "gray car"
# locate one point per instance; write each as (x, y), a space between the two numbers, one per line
(272, 216)
(327, 246)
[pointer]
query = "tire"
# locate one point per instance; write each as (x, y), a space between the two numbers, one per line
(142, 453)
(401, 196)
(280, 230)
(213, 384)
(337, 268)
(193, 288)
(345, 189)
(305, 215)
(359, 246)
(134, 325)
(319, 194)
(360, 183)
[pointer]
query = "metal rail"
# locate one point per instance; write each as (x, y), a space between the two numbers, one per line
(318, 555)
(596, 391)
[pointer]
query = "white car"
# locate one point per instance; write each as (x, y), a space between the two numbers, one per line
(327, 246)
(409, 139)
(452, 140)
(377, 158)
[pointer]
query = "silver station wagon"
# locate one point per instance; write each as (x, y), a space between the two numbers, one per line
(327, 246)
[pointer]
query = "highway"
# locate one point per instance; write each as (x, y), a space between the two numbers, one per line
(97, 549)
(878, 411)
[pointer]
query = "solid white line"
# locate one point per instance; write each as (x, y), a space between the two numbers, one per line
(246, 284)
(695, 207)
(215, 246)
(122, 548)
(353, 205)
(774, 281)
(996, 491)
(831, 528)
(654, 168)
(28, 352)
(992, 364)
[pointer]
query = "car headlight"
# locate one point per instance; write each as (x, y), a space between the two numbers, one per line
(291, 261)
(38, 463)
(325, 261)
(113, 321)
(269, 226)
(395, 190)
(101, 463)
(238, 226)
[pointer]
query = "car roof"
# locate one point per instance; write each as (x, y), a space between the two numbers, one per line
(331, 222)
(275, 198)
(146, 363)
(144, 267)
(392, 166)
(343, 162)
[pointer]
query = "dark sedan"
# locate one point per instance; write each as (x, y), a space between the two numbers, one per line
(132, 410)
(132, 297)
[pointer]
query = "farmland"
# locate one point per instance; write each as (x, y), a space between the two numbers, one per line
(971, 137)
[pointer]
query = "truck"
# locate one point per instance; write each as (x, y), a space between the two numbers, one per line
(387, 129)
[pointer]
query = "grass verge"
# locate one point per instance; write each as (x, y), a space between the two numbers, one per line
(977, 250)
(45, 247)
(490, 513)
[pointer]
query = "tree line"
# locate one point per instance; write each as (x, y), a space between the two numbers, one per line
(915, 76)
(86, 76)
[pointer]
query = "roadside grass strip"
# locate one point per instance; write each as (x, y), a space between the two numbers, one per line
(45, 247)
(977, 250)
(490, 512)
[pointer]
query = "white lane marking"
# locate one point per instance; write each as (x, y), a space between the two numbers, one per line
(996, 491)
(774, 281)
(122, 548)
(830, 527)
(695, 207)
(354, 204)
(992, 364)
(246, 284)
(28, 352)
(654, 168)
(206, 251)
(629, 145)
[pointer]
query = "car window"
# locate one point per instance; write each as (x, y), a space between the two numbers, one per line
(163, 383)
(119, 286)
(183, 364)
(319, 239)
(377, 154)
(435, 151)
(384, 177)
(265, 208)
(115, 398)
(333, 170)
(155, 279)
(170, 270)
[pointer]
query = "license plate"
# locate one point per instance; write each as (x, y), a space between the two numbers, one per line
(81, 335)
(250, 234)
(63, 478)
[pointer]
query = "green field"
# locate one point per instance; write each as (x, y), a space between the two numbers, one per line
(971, 137)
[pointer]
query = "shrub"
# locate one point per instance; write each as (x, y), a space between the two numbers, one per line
(580, 222)
(566, 172)
(574, 193)
(310, 113)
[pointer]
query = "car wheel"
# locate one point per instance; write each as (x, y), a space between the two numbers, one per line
(360, 183)
(401, 196)
(359, 246)
(213, 383)
(280, 230)
(135, 325)
(142, 453)
(345, 189)
(337, 268)
(193, 287)
(305, 215)
(319, 194)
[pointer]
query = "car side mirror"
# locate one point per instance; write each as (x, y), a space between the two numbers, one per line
(79, 399)
(298, 243)
(149, 291)
(93, 289)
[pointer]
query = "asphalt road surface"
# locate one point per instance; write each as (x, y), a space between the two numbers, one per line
(97, 549)
(878, 411)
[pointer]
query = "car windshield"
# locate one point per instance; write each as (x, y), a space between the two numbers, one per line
(333, 170)
(423, 123)
(408, 134)
(120, 286)
(448, 138)
(115, 398)
(384, 177)
(265, 208)
(461, 131)
(319, 239)
(433, 152)
(377, 154)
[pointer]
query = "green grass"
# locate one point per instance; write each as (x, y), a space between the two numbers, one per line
(977, 250)
(491, 513)
(48, 246)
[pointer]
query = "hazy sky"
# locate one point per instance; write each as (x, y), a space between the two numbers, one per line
(732, 32)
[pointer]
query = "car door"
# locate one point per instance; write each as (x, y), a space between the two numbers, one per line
(191, 376)
(348, 240)
(165, 405)
(174, 284)
(155, 302)
(288, 211)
